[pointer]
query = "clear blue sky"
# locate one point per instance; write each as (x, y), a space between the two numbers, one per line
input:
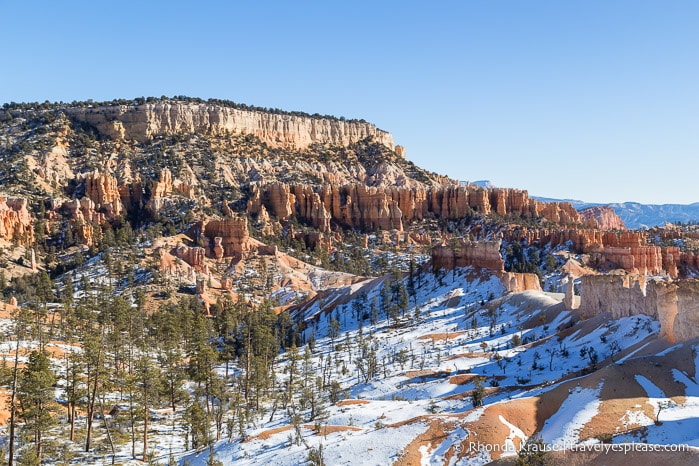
(595, 100)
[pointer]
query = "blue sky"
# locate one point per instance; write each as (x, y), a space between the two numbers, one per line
(595, 100)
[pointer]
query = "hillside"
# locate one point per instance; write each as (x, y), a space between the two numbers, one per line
(185, 280)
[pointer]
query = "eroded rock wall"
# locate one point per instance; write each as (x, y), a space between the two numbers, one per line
(463, 253)
(143, 122)
(377, 208)
(674, 304)
(233, 233)
(515, 282)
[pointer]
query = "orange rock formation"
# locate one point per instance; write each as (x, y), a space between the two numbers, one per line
(15, 221)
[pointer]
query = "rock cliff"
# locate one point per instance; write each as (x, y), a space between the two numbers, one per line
(482, 255)
(627, 250)
(148, 120)
(515, 282)
(463, 253)
(387, 208)
(193, 256)
(674, 304)
(602, 217)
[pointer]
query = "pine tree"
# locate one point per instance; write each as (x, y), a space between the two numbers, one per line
(197, 425)
(147, 382)
(36, 395)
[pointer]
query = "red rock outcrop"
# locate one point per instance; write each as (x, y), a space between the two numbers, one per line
(227, 283)
(463, 252)
(15, 221)
(674, 304)
(193, 256)
(83, 217)
(602, 217)
(628, 250)
(218, 250)
(233, 233)
(102, 189)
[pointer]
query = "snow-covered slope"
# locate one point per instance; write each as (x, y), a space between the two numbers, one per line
(542, 370)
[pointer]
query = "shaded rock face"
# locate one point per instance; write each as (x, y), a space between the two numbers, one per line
(390, 208)
(15, 221)
(602, 217)
(464, 253)
(674, 304)
(142, 122)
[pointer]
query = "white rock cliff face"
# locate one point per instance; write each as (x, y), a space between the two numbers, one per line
(141, 122)
(675, 305)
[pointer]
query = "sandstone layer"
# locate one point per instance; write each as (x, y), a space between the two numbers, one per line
(143, 122)
(231, 234)
(674, 304)
(515, 282)
(102, 189)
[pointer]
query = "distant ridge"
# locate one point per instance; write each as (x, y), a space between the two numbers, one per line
(636, 215)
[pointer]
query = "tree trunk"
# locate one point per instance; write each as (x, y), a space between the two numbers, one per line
(71, 414)
(39, 449)
(91, 403)
(133, 425)
(13, 408)
(145, 425)
(106, 427)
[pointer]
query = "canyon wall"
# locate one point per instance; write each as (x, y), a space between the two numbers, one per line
(145, 121)
(627, 250)
(602, 217)
(674, 304)
(372, 208)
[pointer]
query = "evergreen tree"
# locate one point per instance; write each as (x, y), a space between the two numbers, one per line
(197, 425)
(36, 395)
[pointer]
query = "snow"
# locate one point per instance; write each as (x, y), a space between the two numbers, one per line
(372, 447)
(515, 432)
(459, 333)
(563, 428)
(651, 389)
